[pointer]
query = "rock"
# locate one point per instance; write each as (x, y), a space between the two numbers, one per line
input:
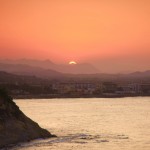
(15, 126)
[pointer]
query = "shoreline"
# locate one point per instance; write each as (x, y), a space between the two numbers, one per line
(15, 126)
(75, 96)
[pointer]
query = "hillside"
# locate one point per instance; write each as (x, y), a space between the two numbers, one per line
(82, 68)
(15, 127)
(38, 74)
(21, 69)
(19, 79)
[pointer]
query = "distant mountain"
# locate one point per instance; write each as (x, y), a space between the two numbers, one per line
(118, 78)
(83, 68)
(28, 70)
(21, 79)
(142, 74)
(20, 69)
(46, 64)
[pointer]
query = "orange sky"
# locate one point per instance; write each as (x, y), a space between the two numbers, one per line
(112, 34)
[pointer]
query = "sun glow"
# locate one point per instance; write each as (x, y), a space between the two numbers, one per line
(72, 63)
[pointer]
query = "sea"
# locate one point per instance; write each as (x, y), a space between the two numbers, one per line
(90, 123)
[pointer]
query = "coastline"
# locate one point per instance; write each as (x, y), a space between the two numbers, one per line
(49, 96)
(15, 126)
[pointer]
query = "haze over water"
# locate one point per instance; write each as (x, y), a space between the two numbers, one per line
(90, 124)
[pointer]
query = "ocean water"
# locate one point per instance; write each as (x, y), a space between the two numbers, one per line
(90, 124)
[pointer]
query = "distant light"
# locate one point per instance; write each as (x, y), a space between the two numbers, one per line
(72, 63)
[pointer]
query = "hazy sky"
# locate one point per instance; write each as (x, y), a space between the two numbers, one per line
(114, 35)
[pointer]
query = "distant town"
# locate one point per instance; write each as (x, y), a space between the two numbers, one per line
(76, 90)
(25, 85)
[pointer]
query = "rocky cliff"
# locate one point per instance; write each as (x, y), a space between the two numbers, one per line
(15, 127)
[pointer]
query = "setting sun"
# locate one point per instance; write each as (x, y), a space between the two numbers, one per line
(72, 63)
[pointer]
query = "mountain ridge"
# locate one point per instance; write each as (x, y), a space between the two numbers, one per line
(82, 68)
(21, 69)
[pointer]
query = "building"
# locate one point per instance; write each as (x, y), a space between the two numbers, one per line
(75, 88)
(109, 87)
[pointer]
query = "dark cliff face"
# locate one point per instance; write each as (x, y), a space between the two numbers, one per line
(15, 127)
